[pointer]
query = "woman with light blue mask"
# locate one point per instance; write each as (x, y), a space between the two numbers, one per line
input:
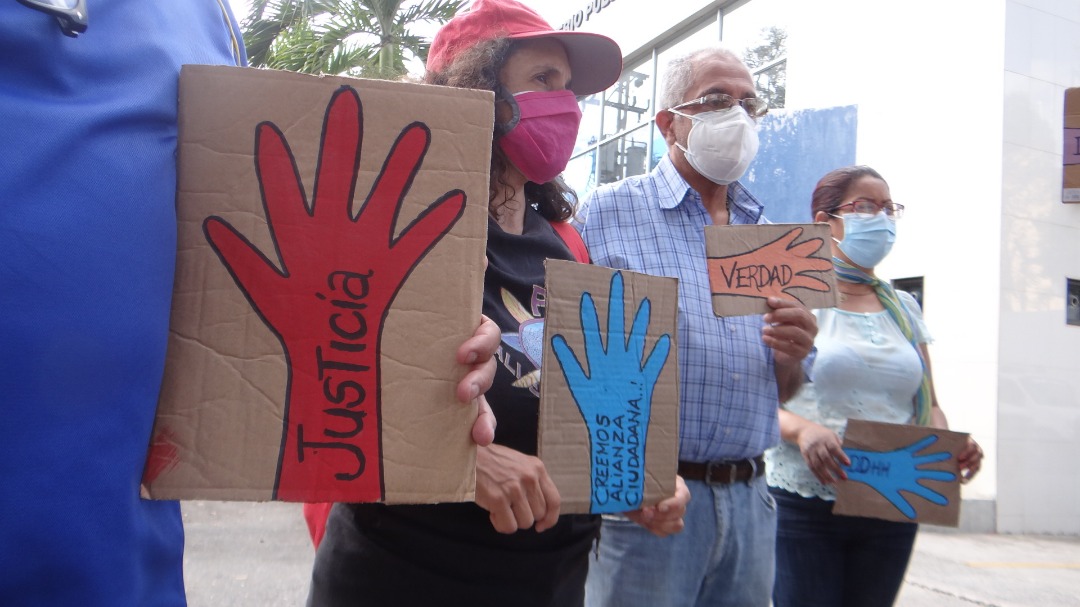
(872, 364)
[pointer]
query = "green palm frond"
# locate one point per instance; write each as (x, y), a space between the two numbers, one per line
(439, 11)
(358, 37)
(269, 19)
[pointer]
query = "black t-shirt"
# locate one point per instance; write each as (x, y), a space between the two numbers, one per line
(515, 298)
(449, 553)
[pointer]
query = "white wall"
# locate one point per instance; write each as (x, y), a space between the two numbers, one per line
(928, 91)
(1040, 355)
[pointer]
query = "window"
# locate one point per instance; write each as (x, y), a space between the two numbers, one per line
(914, 286)
(755, 31)
(628, 103)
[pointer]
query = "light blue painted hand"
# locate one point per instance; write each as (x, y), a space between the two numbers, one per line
(615, 398)
(891, 472)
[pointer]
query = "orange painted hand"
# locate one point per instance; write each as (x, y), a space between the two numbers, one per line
(772, 270)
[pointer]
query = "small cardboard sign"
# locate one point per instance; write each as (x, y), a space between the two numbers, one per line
(330, 262)
(609, 399)
(750, 263)
(901, 473)
(1071, 157)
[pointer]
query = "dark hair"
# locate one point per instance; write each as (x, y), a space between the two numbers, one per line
(478, 68)
(830, 190)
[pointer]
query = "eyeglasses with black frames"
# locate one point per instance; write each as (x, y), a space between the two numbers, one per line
(755, 107)
(869, 207)
(70, 14)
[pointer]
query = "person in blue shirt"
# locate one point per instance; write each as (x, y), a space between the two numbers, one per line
(87, 250)
(734, 371)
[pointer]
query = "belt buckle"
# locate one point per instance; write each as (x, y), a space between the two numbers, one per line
(709, 467)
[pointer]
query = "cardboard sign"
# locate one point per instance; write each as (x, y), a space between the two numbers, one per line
(330, 262)
(609, 398)
(750, 263)
(901, 473)
(1071, 157)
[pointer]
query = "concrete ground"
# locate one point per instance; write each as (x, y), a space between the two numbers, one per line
(244, 554)
(241, 554)
(950, 569)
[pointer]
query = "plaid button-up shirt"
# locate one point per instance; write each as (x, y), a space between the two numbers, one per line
(655, 224)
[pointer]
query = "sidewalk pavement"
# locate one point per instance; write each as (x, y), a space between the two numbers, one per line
(951, 569)
(242, 554)
(246, 554)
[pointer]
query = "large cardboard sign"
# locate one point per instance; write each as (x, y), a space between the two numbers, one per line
(750, 263)
(901, 473)
(330, 262)
(1071, 158)
(609, 397)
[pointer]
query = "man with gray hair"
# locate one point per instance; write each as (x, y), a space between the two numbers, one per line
(734, 371)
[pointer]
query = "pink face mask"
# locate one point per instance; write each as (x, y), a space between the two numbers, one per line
(541, 142)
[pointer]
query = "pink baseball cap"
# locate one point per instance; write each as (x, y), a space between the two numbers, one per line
(595, 60)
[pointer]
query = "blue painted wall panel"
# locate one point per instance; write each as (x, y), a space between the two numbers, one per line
(797, 148)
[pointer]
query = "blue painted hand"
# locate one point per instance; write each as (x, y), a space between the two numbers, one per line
(891, 472)
(615, 397)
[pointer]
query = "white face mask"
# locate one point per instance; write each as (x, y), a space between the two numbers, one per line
(721, 144)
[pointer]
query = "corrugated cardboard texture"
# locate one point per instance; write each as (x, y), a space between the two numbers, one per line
(750, 263)
(1071, 159)
(859, 499)
(621, 428)
(219, 431)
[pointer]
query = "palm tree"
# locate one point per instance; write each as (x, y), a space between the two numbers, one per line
(369, 38)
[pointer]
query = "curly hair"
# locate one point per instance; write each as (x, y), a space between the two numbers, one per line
(478, 68)
(830, 190)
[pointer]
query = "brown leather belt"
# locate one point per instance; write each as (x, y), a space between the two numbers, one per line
(723, 472)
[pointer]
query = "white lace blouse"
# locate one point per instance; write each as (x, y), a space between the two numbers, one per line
(865, 369)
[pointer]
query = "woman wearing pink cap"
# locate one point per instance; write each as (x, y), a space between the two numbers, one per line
(511, 547)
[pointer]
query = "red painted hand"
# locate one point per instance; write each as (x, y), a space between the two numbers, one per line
(326, 304)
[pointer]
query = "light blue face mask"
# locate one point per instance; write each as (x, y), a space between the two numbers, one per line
(867, 238)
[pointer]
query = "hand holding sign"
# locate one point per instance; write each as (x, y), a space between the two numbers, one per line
(891, 472)
(328, 301)
(615, 398)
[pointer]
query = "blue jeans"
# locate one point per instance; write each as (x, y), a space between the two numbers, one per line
(724, 556)
(833, 561)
